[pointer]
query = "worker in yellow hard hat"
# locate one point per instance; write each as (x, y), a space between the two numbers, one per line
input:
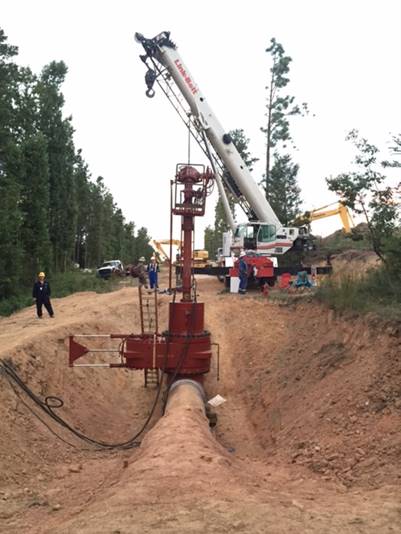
(41, 295)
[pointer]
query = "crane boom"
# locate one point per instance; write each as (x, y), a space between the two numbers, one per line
(165, 63)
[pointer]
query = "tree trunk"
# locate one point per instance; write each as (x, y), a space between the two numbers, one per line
(268, 137)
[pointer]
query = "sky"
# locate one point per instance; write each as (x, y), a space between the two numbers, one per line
(346, 64)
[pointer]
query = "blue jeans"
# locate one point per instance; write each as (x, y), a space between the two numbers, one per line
(243, 282)
(152, 279)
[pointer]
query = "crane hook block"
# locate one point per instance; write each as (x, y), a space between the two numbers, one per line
(227, 139)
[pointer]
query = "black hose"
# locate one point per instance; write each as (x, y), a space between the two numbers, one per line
(51, 403)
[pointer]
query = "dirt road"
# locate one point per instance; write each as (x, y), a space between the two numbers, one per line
(309, 440)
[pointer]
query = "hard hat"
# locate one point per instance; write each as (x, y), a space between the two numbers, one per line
(242, 254)
(41, 274)
(142, 258)
(153, 258)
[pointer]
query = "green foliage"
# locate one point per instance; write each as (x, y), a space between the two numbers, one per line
(64, 284)
(284, 195)
(34, 202)
(213, 241)
(379, 292)
(10, 225)
(364, 190)
(52, 214)
(392, 253)
(396, 151)
(241, 142)
(281, 177)
(142, 247)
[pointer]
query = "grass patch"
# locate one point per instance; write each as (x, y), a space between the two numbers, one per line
(378, 292)
(62, 284)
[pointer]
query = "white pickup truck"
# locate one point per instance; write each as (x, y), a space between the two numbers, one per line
(109, 268)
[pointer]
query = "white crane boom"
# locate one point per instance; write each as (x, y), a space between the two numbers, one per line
(264, 229)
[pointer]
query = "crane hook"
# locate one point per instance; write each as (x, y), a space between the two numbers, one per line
(150, 78)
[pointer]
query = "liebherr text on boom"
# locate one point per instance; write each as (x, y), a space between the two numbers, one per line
(263, 233)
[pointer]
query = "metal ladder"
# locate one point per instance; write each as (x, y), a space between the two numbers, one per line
(148, 310)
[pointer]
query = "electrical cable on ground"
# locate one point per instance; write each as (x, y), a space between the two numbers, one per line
(51, 403)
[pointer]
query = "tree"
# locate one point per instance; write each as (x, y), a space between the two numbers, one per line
(280, 108)
(51, 213)
(142, 244)
(10, 228)
(396, 151)
(35, 206)
(61, 154)
(365, 191)
(10, 172)
(129, 252)
(284, 197)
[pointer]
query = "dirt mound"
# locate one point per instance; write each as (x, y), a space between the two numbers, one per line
(324, 393)
(355, 262)
(308, 440)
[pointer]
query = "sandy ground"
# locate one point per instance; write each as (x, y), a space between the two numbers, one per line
(309, 439)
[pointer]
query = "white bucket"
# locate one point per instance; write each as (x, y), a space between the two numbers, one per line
(234, 284)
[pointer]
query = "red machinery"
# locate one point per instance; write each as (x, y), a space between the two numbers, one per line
(261, 269)
(184, 350)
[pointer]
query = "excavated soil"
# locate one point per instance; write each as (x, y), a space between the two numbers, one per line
(308, 441)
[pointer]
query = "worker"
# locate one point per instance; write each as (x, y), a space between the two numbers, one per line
(243, 273)
(153, 269)
(302, 280)
(139, 271)
(41, 295)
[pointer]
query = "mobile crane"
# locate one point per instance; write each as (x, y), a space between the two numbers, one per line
(263, 234)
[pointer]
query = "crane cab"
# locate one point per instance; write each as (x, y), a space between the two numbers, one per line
(264, 238)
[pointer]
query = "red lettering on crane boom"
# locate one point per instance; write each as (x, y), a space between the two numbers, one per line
(187, 79)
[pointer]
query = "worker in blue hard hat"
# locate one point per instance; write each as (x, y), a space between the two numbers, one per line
(41, 295)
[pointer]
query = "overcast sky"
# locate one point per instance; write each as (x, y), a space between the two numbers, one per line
(346, 65)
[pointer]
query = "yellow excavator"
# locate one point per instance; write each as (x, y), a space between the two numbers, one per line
(157, 246)
(200, 257)
(320, 213)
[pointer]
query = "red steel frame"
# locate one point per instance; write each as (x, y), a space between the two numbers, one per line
(184, 350)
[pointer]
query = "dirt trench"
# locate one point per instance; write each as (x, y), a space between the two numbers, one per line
(309, 439)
